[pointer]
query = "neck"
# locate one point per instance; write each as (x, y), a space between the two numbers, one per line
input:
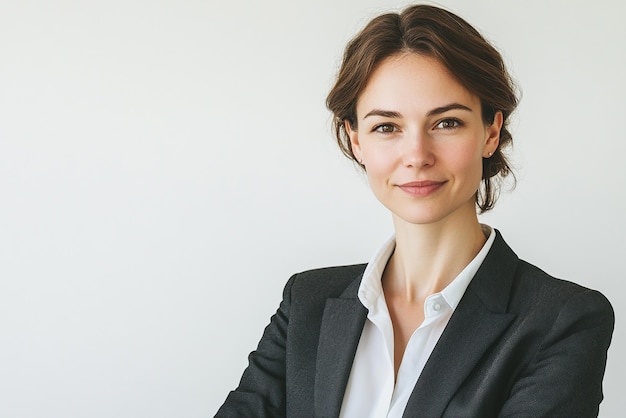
(428, 257)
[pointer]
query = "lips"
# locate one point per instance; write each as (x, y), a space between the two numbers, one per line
(421, 188)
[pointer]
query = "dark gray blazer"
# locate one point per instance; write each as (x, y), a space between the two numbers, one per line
(519, 344)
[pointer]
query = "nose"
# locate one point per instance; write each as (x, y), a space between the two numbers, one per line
(418, 150)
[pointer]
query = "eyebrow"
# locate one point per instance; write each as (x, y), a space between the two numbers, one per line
(444, 109)
(384, 114)
(435, 111)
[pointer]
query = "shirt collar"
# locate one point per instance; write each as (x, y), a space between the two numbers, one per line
(371, 286)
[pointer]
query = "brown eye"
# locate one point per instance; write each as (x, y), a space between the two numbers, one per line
(449, 124)
(385, 128)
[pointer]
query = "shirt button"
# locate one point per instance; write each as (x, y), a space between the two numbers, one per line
(436, 307)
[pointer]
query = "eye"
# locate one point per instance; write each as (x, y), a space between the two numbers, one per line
(384, 128)
(449, 123)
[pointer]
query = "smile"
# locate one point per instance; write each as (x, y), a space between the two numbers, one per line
(421, 188)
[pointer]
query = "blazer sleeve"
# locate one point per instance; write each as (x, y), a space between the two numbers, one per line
(261, 391)
(564, 379)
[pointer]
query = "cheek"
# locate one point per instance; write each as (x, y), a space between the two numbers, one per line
(467, 161)
(380, 163)
(379, 168)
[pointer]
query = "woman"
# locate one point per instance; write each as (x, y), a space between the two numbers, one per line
(445, 320)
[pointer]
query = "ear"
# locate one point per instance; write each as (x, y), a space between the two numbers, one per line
(354, 140)
(492, 139)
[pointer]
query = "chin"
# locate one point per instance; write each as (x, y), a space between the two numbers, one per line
(423, 216)
(431, 214)
(421, 219)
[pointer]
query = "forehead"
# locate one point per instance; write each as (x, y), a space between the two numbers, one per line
(412, 82)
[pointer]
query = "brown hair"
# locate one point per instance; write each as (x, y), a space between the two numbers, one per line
(440, 34)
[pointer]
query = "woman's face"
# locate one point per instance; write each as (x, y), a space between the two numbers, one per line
(421, 138)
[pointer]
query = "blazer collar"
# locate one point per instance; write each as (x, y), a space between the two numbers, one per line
(479, 319)
(340, 332)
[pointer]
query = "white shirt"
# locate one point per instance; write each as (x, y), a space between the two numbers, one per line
(371, 391)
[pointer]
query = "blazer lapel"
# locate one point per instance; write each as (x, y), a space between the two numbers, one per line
(479, 319)
(341, 327)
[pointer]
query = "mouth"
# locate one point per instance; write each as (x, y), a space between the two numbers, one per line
(421, 188)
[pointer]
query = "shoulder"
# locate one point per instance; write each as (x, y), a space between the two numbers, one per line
(536, 282)
(307, 293)
(326, 282)
(507, 283)
(535, 290)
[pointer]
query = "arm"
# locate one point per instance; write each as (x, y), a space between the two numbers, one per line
(261, 391)
(564, 378)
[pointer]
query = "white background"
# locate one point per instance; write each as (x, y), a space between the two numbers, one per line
(165, 166)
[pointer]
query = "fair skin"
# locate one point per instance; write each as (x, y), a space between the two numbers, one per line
(422, 139)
